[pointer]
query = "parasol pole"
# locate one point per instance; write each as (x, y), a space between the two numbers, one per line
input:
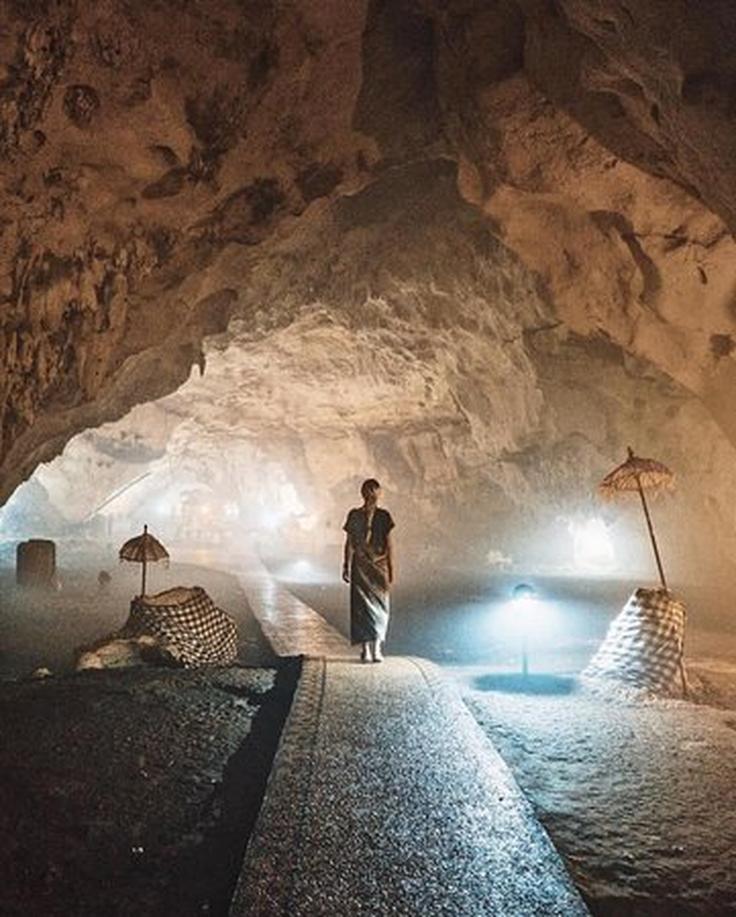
(651, 532)
(143, 583)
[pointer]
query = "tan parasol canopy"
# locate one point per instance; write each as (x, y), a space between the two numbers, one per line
(638, 475)
(143, 549)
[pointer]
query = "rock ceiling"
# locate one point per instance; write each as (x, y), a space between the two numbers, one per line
(440, 239)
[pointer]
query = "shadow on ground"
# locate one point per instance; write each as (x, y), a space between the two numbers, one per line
(515, 683)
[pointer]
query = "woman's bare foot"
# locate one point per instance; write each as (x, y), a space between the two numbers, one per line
(366, 654)
(377, 654)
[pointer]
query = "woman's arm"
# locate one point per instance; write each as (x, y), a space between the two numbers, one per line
(347, 559)
(390, 558)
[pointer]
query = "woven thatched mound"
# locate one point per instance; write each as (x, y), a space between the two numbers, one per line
(643, 647)
(182, 626)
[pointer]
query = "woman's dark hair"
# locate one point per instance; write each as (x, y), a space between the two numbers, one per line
(368, 487)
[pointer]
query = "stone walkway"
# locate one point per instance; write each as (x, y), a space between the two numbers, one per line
(291, 627)
(385, 797)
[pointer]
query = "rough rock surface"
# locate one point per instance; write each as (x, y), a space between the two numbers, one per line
(134, 153)
(416, 229)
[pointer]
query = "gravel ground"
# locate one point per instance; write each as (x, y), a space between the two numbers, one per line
(127, 779)
(133, 792)
(390, 803)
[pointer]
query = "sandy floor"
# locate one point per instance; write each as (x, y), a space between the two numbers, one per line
(640, 798)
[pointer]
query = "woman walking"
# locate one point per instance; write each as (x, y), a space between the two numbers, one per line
(368, 567)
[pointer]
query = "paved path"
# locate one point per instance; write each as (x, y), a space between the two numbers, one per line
(387, 799)
(290, 626)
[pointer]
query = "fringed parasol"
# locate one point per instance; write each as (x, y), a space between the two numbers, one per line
(637, 475)
(144, 549)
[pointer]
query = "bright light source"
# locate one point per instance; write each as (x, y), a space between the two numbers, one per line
(526, 617)
(592, 545)
(498, 559)
(288, 500)
(300, 571)
(525, 614)
(523, 593)
(162, 506)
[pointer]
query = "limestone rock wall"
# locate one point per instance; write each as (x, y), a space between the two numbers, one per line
(362, 220)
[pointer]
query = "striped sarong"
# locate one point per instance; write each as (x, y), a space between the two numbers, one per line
(369, 595)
